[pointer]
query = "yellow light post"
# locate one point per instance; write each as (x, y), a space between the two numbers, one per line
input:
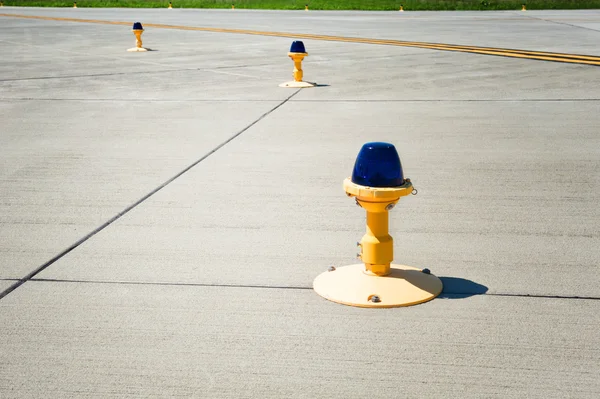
(137, 31)
(297, 53)
(233, 7)
(306, 7)
(401, 8)
(377, 183)
(170, 6)
(74, 5)
(523, 8)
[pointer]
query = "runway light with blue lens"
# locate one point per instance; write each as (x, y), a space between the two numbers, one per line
(378, 165)
(297, 53)
(377, 183)
(138, 29)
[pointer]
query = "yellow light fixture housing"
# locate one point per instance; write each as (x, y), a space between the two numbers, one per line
(377, 183)
(137, 30)
(297, 53)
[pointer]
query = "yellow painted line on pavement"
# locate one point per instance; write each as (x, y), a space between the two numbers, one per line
(503, 52)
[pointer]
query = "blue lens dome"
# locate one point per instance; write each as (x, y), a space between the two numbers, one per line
(378, 165)
(297, 47)
(137, 26)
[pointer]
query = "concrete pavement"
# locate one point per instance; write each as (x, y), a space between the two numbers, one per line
(202, 289)
(120, 340)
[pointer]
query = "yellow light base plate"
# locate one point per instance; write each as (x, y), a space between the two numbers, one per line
(404, 286)
(136, 49)
(297, 85)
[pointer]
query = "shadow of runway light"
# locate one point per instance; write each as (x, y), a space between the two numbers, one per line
(459, 288)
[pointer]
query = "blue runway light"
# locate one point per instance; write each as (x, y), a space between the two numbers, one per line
(297, 47)
(137, 26)
(378, 165)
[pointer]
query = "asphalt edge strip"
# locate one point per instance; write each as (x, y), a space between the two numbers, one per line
(138, 202)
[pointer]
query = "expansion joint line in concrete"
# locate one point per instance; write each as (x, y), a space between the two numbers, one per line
(200, 100)
(140, 100)
(430, 100)
(167, 284)
(95, 75)
(444, 295)
(502, 52)
(557, 22)
(138, 202)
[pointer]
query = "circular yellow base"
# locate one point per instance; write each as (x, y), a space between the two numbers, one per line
(404, 286)
(297, 85)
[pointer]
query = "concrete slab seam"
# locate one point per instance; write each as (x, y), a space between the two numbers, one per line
(133, 100)
(200, 100)
(98, 75)
(138, 202)
(146, 62)
(107, 282)
(440, 100)
(560, 23)
(214, 70)
(443, 295)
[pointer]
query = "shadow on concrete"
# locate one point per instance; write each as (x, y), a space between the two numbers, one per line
(458, 288)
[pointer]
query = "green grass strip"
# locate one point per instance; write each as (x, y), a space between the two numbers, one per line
(374, 5)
